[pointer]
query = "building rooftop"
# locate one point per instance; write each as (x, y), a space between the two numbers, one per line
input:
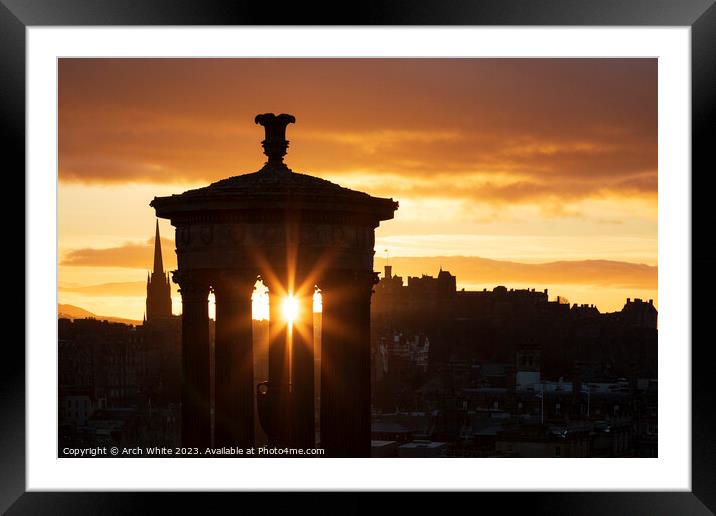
(423, 444)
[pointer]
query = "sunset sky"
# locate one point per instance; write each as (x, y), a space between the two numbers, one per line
(516, 161)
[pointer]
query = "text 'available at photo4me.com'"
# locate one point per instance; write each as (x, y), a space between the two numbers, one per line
(164, 451)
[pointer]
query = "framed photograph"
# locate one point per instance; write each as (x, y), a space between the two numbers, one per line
(436, 249)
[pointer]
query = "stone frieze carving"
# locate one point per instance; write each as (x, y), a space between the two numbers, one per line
(183, 237)
(206, 233)
(236, 244)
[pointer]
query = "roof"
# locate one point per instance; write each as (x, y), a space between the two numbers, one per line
(423, 444)
(381, 444)
(279, 179)
(274, 187)
(400, 423)
(388, 427)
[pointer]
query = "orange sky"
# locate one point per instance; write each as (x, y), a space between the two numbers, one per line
(515, 160)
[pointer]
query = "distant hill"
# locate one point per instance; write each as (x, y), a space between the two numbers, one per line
(473, 269)
(75, 312)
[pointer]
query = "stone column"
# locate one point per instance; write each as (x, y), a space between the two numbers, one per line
(279, 431)
(302, 373)
(233, 360)
(345, 363)
(196, 417)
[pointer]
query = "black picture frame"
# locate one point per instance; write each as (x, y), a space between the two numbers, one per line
(700, 15)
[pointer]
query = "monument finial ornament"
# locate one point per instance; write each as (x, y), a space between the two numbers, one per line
(275, 143)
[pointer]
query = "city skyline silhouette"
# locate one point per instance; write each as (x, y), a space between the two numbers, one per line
(286, 334)
(518, 162)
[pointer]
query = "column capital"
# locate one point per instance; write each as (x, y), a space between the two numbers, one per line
(192, 283)
(233, 282)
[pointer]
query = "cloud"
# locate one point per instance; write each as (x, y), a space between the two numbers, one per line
(119, 289)
(561, 128)
(506, 189)
(128, 255)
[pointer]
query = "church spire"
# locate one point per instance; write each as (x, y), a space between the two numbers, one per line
(159, 300)
(158, 265)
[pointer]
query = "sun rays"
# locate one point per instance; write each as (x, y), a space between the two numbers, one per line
(290, 309)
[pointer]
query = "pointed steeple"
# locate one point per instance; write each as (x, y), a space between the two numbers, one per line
(159, 300)
(158, 265)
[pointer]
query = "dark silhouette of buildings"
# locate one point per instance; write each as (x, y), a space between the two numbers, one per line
(495, 324)
(112, 386)
(159, 297)
(509, 373)
(121, 384)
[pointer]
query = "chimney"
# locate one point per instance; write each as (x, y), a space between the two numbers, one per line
(388, 271)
